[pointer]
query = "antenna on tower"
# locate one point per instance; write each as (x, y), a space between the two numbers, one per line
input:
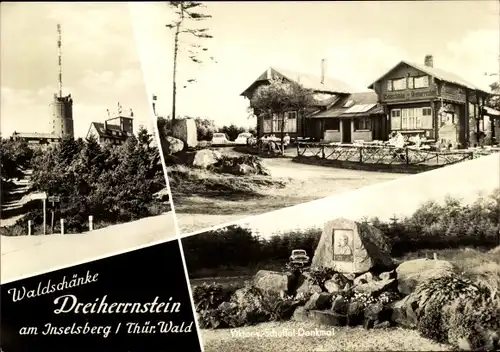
(59, 56)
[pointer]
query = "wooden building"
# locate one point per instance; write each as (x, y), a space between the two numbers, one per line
(327, 91)
(35, 139)
(353, 117)
(410, 98)
(427, 101)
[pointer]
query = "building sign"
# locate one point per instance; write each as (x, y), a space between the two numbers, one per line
(409, 95)
(453, 93)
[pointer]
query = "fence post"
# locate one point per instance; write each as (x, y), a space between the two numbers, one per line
(91, 222)
(297, 145)
(62, 226)
(435, 256)
(29, 227)
(360, 154)
(323, 156)
(407, 160)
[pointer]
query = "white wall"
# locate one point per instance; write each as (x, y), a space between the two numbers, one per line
(332, 136)
(361, 135)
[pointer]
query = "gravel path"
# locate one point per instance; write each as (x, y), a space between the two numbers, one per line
(307, 337)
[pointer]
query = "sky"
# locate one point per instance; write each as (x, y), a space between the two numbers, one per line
(359, 40)
(114, 52)
(101, 65)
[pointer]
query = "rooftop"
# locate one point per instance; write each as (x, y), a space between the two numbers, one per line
(309, 81)
(439, 74)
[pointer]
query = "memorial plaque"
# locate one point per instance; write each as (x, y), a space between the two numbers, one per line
(343, 248)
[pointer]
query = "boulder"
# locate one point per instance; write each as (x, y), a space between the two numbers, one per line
(172, 145)
(388, 275)
(205, 158)
(373, 311)
(354, 313)
(351, 247)
(375, 287)
(162, 196)
(319, 301)
(403, 311)
(271, 281)
(413, 272)
(300, 314)
(304, 285)
(332, 287)
(185, 130)
(364, 278)
(243, 169)
(339, 305)
(226, 306)
(382, 324)
(326, 317)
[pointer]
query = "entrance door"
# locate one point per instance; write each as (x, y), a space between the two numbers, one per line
(346, 131)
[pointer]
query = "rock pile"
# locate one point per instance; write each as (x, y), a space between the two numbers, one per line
(371, 299)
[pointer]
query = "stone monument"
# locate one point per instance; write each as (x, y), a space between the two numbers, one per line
(185, 130)
(351, 247)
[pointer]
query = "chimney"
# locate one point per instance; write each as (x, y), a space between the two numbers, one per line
(429, 61)
(269, 73)
(323, 70)
(105, 125)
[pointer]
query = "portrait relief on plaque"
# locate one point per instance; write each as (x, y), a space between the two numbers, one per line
(343, 245)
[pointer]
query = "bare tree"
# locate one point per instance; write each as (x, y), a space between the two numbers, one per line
(279, 97)
(188, 13)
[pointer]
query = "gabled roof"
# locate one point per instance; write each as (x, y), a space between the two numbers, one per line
(112, 131)
(364, 103)
(309, 81)
(436, 73)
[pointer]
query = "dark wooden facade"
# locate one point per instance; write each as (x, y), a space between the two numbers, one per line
(411, 99)
(422, 100)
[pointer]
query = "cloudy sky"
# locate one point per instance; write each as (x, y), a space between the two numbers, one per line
(101, 65)
(360, 40)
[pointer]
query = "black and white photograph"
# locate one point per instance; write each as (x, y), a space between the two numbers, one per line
(290, 102)
(389, 267)
(82, 175)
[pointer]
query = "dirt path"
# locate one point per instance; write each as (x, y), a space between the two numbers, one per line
(28, 255)
(306, 183)
(301, 337)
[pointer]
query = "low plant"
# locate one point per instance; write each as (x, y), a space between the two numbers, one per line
(210, 296)
(320, 275)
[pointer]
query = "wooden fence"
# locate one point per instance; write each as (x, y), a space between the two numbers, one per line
(387, 155)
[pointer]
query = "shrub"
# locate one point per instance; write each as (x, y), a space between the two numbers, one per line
(474, 324)
(227, 164)
(210, 296)
(454, 309)
(320, 275)
(248, 306)
(431, 324)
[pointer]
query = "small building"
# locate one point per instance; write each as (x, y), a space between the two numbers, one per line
(113, 131)
(427, 101)
(327, 91)
(353, 117)
(36, 139)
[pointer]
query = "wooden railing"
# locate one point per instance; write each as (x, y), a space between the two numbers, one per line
(386, 154)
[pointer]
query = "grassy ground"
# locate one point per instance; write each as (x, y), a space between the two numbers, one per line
(290, 336)
(213, 198)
